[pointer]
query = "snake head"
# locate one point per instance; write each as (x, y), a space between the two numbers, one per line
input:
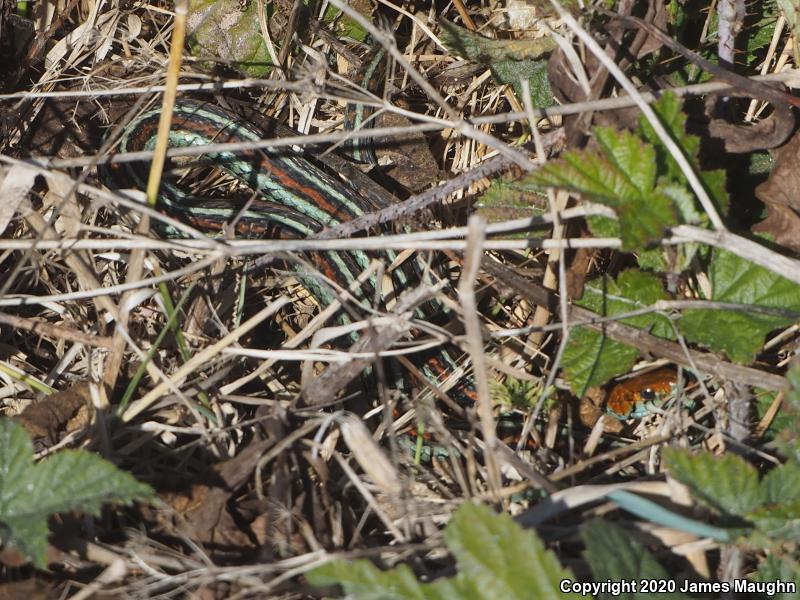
(635, 398)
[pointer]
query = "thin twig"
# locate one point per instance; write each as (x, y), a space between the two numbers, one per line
(740, 246)
(56, 331)
(730, 17)
(472, 326)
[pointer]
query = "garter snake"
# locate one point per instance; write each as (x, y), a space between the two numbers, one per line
(296, 199)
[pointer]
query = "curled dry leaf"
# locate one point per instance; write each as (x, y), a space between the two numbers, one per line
(781, 194)
(743, 138)
(50, 419)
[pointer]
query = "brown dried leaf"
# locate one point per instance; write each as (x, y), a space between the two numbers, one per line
(209, 516)
(51, 418)
(781, 194)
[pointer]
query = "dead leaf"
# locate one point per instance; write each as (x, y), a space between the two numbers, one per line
(209, 512)
(781, 194)
(53, 417)
(590, 410)
(18, 181)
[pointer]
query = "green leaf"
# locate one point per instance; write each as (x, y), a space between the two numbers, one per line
(652, 259)
(496, 559)
(759, 34)
(684, 202)
(668, 109)
(364, 581)
(506, 199)
(782, 484)
(229, 30)
(623, 176)
(487, 51)
(737, 334)
(777, 568)
(778, 521)
(761, 164)
(614, 555)
(603, 226)
(726, 484)
(782, 420)
(715, 182)
(70, 480)
(509, 60)
(535, 71)
(788, 442)
(592, 359)
(345, 26)
(502, 559)
(740, 334)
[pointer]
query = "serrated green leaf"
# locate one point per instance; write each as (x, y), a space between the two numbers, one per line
(631, 291)
(592, 359)
(777, 568)
(652, 259)
(16, 459)
(603, 226)
(726, 484)
(502, 559)
(509, 60)
(740, 334)
(229, 30)
(668, 109)
(778, 521)
(75, 479)
(70, 480)
(505, 199)
(496, 559)
(623, 176)
(684, 202)
(486, 51)
(614, 555)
